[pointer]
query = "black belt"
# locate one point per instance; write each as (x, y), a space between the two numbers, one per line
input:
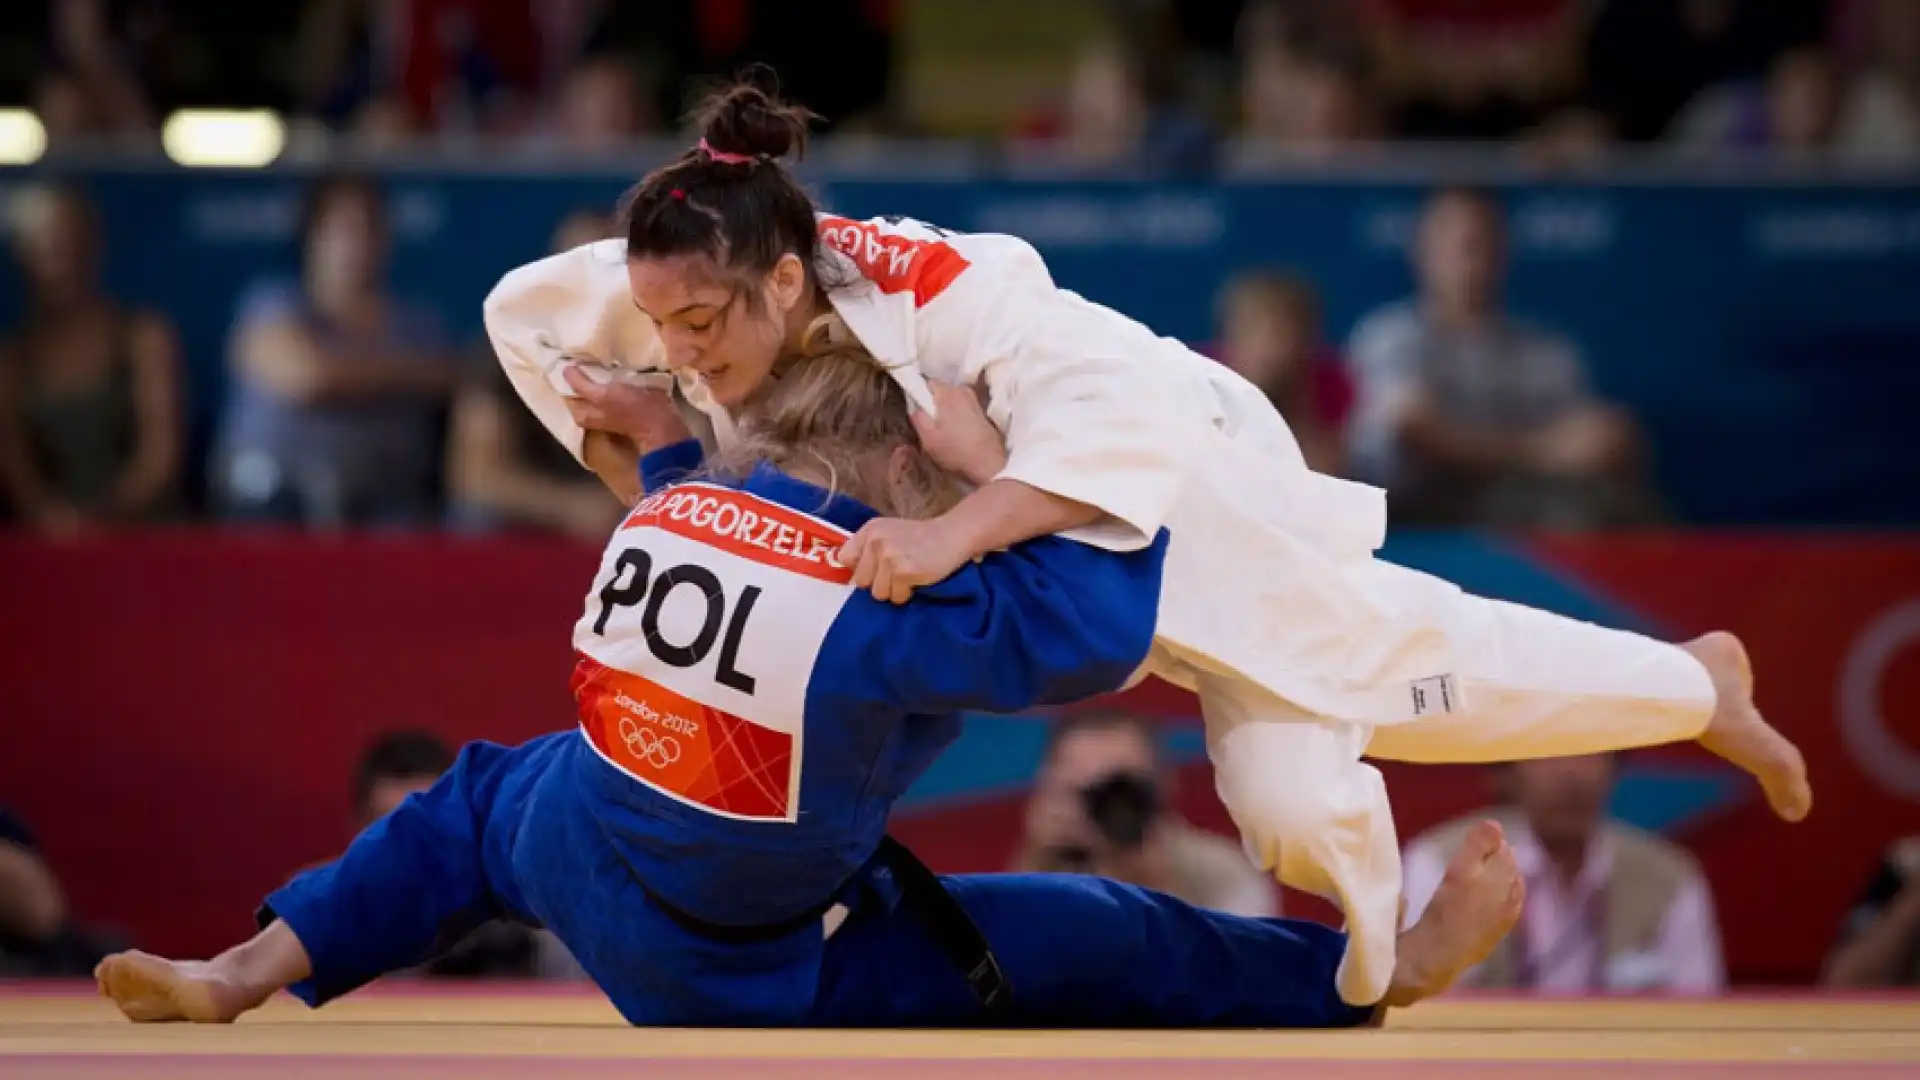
(952, 928)
(923, 897)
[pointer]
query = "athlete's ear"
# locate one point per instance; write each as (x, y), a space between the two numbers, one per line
(786, 283)
(900, 465)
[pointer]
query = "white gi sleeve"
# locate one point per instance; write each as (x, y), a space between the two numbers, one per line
(1092, 407)
(570, 309)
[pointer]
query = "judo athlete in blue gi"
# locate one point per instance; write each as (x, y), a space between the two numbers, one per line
(709, 841)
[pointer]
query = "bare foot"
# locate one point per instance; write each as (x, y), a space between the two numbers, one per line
(1742, 736)
(149, 989)
(1477, 903)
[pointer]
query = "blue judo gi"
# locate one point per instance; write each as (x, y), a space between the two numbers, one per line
(747, 721)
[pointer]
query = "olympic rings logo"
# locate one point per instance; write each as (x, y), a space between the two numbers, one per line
(648, 745)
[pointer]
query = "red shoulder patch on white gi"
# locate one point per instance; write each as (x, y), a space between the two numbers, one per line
(894, 262)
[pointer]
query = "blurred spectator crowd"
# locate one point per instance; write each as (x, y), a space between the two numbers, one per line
(1152, 84)
(349, 406)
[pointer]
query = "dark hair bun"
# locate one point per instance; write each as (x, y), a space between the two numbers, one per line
(748, 117)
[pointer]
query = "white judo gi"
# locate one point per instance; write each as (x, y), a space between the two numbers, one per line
(1307, 652)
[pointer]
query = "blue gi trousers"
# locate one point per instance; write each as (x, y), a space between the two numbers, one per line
(506, 834)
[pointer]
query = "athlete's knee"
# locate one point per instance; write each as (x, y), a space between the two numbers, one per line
(1278, 817)
(1292, 783)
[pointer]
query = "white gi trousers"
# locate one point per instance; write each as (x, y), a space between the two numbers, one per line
(1308, 654)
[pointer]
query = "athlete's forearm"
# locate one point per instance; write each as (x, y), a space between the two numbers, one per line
(616, 461)
(1006, 512)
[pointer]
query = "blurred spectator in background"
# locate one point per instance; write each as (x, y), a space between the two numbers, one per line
(1804, 91)
(503, 467)
(1881, 116)
(1795, 107)
(394, 766)
(601, 106)
(37, 938)
(72, 112)
(90, 87)
(1609, 908)
(335, 56)
(1106, 113)
(1102, 805)
(1573, 136)
(1475, 69)
(1880, 942)
(1304, 100)
(384, 125)
(1646, 59)
(1270, 332)
(404, 763)
(1121, 113)
(448, 65)
(90, 415)
(1470, 416)
(339, 385)
(1307, 26)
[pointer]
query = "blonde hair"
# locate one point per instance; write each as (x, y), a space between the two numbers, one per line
(835, 412)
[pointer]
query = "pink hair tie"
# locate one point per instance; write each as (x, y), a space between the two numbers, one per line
(725, 158)
(679, 193)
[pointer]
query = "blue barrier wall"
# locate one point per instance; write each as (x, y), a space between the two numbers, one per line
(1767, 332)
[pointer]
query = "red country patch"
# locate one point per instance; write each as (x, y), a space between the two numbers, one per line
(895, 263)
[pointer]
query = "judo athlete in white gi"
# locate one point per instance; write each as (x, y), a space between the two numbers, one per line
(1307, 652)
(747, 718)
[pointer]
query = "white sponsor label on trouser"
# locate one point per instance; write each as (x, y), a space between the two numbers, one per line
(1436, 694)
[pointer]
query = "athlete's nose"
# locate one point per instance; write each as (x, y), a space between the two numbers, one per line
(681, 354)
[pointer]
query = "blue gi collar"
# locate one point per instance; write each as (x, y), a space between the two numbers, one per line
(775, 486)
(684, 460)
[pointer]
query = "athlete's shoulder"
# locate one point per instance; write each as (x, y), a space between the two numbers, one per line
(899, 256)
(903, 255)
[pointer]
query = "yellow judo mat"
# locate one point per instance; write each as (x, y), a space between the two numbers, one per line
(412, 1033)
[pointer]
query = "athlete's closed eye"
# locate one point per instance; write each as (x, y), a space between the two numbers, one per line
(697, 317)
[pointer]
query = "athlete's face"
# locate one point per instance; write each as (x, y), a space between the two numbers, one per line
(727, 329)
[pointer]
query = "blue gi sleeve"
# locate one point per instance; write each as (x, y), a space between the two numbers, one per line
(1048, 621)
(670, 464)
(412, 884)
